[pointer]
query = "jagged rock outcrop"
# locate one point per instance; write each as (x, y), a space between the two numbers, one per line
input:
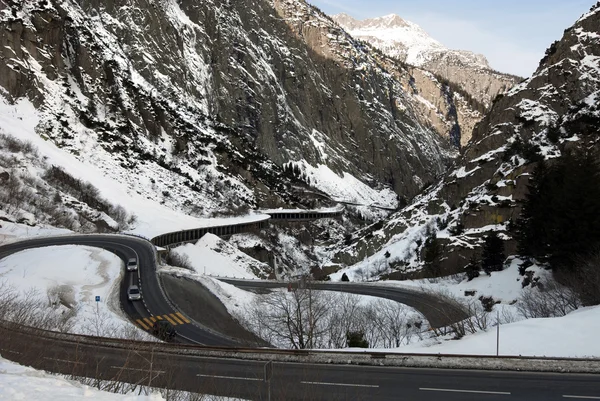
(558, 108)
(409, 43)
(209, 100)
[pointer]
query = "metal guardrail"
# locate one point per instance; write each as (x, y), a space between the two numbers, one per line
(309, 356)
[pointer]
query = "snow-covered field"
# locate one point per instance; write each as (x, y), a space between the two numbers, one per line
(572, 336)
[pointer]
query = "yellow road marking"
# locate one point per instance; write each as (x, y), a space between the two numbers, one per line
(141, 323)
(148, 322)
(185, 319)
(169, 320)
(159, 318)
(153, 319)
(175, 318)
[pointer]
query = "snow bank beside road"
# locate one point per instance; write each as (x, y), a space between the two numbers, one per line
(22, 383)
(572, 336)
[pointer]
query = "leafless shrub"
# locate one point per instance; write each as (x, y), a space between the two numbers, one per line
(392, 324)
(294, 319)
(344, 318)
(15, 145)
(317, 319)
(548, 299)
(478, 317)
(179, 260)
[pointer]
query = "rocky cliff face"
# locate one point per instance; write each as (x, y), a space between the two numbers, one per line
(554, 110)
(410, 44)
(214, 97)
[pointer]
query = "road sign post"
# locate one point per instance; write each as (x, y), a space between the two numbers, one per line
(97, 304)
(268, 375)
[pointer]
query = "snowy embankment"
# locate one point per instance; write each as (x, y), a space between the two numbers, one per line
(215, 257)
(22, 383)
(572, 336)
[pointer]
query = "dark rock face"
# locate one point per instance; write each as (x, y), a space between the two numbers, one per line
(555, 110)
(215, 92)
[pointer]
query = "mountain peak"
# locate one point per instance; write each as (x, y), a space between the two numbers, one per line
(391, 21)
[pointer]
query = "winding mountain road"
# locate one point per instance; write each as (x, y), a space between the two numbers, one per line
(154, 301)
(224, 372)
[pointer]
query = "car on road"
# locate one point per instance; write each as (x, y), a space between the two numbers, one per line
(133, 293)
(132, 264)
(163, 330)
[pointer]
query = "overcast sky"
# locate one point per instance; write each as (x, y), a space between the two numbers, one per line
(512, 34)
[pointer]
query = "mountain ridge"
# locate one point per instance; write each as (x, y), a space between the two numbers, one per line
(409, 43)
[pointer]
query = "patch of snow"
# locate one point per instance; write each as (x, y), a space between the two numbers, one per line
(215, 257)
(23, 383)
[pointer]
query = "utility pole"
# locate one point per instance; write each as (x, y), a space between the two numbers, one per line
(497, 333)
(268, 374)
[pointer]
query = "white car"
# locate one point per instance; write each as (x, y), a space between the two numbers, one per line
(133, 293)
(132, 264)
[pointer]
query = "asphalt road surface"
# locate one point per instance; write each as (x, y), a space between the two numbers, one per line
(176, 366)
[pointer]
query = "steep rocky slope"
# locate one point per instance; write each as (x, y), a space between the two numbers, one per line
(217, 105)
(409, 43)
(554, 110)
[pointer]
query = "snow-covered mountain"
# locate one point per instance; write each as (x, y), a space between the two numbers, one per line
(404, 40)
(200, 106)
(551, 114)
(409, 43)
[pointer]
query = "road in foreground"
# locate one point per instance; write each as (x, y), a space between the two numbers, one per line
(184, 368)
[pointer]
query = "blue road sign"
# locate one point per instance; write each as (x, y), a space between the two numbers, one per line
(97, 298)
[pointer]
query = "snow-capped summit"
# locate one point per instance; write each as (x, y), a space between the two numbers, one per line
(408, 42)
(403, 39)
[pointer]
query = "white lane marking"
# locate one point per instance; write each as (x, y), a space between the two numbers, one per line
(63, 360)
(582, 397)
(160, 372)
(231, 377)
(10, 351)
(448, 390)
(342, 384)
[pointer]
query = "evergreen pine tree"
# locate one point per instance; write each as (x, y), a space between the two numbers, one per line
(356, 339)
(472, 269)
(561, 214)
(492, 258)
(432, 252)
